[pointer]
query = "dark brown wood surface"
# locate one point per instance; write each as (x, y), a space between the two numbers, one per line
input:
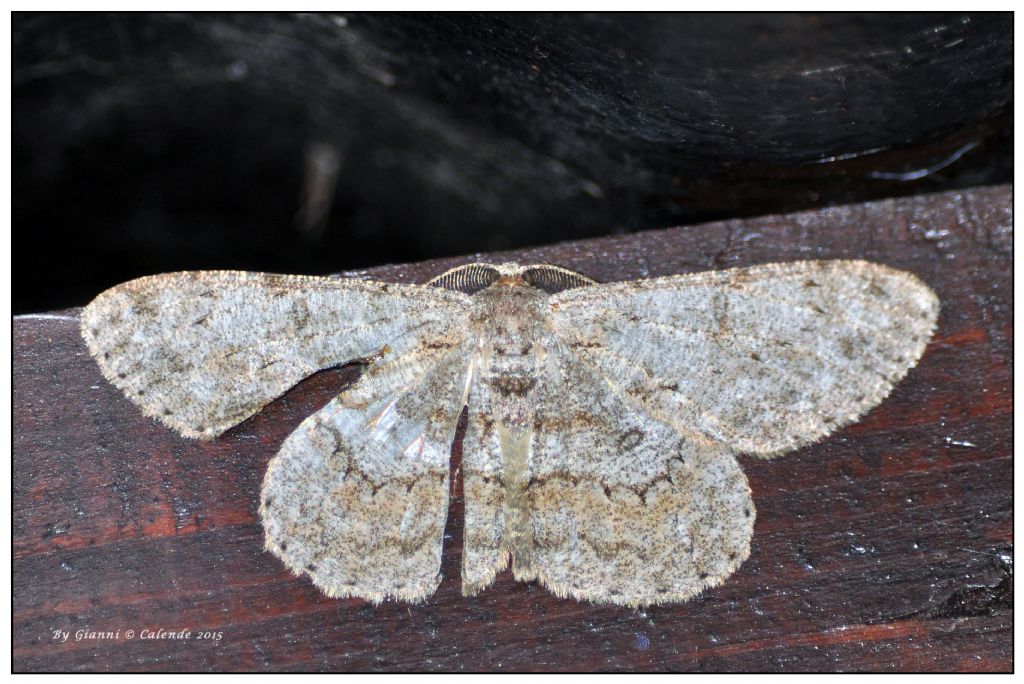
(886, 546)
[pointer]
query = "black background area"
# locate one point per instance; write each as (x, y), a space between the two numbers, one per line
(320, 142)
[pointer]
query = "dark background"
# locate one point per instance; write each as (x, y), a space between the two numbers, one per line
(321, 142)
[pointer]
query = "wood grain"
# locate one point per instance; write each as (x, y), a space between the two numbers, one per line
(886, 547)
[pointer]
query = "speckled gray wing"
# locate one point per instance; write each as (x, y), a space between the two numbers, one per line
(761, 359)
(203, 351)
(358, 495)
(623, 508)
(494, 479)
(484, 554)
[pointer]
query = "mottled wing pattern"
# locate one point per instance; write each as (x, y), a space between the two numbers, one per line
(622, 507)
(358, 495)
(760, 359)
(203, 351)
(485, 487)
(599, 452)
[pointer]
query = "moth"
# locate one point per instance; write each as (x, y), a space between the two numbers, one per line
(604, 420)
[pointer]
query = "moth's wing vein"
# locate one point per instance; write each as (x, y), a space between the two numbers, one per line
(623, 508)
(786, 354)
(357, 498)
(203, 351)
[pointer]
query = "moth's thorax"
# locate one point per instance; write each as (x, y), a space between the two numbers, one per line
(510, 320)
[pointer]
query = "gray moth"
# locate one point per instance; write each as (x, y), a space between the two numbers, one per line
(604, 420)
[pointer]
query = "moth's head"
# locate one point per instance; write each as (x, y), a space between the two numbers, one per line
(473, 278)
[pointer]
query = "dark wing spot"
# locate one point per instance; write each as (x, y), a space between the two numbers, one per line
(630, 439)
(847, 346)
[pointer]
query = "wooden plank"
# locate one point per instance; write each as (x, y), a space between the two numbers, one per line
(884, 547)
